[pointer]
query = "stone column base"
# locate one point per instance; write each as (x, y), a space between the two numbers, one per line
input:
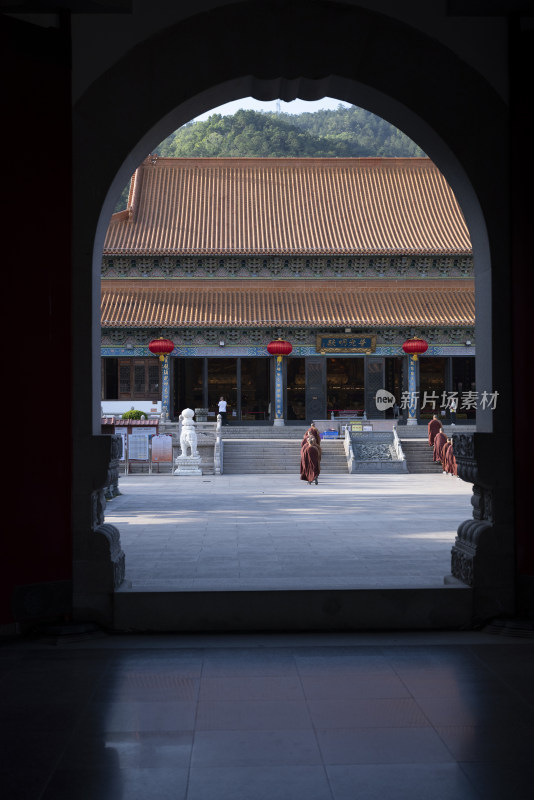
(278, 422)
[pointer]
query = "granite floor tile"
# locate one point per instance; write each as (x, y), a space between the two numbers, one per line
(401, 782)
(252, 715)
(382, 746)
(475, 709)
(250, 688)
(128, 750)
(139, 716)
(147, 687)
(391, 536)
(259, 783)
(495, 744)
(110, 784)
(255, 748)
(377, 712)
(351, 685)
(249, 662)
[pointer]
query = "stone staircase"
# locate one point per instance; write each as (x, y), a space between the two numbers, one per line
(334, 459)
(291, 432)
(278, 456)
(419, 456)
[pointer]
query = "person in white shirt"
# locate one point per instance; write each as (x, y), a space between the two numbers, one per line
(222, 410)
(453, 406)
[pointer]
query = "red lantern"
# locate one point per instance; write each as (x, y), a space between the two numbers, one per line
(279, 348)
(415, 346)
(161, 347)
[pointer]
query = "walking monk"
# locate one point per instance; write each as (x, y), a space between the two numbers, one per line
(310, 461)
(439, 443)
(312, 431)
(434, 426)
(445, 455)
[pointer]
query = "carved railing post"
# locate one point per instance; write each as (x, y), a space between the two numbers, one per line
(482, 555)
(99, 561)
(111, 490)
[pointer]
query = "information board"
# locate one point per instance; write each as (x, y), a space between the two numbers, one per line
(122, 433)
(146, 429)
(352, 425)
(162, 448)
(138, 447)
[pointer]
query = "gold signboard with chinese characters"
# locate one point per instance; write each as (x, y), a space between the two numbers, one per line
(347, 343)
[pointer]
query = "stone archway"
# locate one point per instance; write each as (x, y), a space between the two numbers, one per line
(322, 48)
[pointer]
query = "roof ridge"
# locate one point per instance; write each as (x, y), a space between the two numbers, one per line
(162, 161)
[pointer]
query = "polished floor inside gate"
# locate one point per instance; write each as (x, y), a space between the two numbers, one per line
(295, 717)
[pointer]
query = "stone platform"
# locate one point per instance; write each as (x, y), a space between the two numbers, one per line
(233, 551)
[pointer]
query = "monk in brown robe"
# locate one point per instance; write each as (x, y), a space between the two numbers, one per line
(434, 426)
(454, 465)
(445, 455)
(310, 461)
(450, 466)
(312, 431)
(439, 442)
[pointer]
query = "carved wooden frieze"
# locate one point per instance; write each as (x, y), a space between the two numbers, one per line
(422, 267)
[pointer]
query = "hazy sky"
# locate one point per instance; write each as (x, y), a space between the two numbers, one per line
(295, 107)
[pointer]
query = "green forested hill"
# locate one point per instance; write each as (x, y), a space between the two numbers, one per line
(340, 133)
(344, 132)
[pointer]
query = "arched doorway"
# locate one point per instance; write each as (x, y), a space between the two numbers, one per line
(321, 49)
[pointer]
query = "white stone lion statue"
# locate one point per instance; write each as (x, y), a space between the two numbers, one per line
(188, 436)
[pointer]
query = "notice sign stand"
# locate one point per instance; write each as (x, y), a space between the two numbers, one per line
(138, 447)
(162, 449)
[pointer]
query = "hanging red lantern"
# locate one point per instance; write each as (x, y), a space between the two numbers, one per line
(161, 347)
(414, 347)
(279, 348)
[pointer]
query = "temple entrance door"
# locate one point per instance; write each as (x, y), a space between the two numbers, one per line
(345, 386)
(188, 384)
(315, 389)
(433, 382)
(296, 388)
(374, 380)
(254, 375)
(222, 382)
(394, 380)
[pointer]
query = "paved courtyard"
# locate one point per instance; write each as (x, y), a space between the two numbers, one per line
(276, 532)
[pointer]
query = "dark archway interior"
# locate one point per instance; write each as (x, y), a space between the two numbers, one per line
(322, 48)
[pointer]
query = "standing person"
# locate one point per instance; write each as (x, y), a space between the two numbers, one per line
(434, 426)
(223, 405)
(310, 461)
(439, 443)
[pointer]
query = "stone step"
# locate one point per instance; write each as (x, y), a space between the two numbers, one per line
(295, 610)
(255, 457)
(419, 456)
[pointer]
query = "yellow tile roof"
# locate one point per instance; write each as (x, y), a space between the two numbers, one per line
(295, 205)
(193, 304)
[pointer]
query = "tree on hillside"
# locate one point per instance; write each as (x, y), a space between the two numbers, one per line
(340, 133)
